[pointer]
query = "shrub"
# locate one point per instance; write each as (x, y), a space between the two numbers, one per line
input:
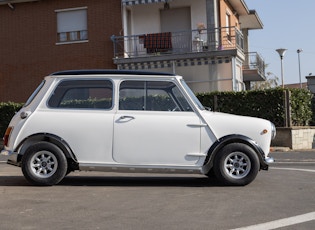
(7, 111)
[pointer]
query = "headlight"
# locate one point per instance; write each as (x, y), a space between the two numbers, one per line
(273, 131)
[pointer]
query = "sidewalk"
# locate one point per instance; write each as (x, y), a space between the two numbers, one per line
(279, 149)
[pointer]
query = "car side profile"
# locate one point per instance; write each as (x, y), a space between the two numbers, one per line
(131, 121)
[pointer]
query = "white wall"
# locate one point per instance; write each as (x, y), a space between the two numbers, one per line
(205, 78)
(146, 17)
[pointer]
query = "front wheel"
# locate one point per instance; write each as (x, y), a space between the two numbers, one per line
(236, 164)
(44, 164)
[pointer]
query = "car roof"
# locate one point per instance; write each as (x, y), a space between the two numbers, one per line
(109, 72)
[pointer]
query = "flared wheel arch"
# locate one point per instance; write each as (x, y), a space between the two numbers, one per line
(220, 143)
(59, 142)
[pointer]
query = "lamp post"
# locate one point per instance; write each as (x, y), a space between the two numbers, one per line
(298, 52)
(281, 52)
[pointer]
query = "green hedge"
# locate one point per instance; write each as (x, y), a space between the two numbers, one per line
(267, 104)
(7, 110)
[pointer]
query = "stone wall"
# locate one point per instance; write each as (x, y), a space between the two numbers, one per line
(295, 137)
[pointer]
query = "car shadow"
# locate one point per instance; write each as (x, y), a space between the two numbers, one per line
(121, 181)
(139, 181)
(13, 181)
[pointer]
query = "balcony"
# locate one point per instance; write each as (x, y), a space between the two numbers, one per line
(253, 68)
(3, 2)
(176, 45)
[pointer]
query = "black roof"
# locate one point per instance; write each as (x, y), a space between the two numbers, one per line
(108, 71)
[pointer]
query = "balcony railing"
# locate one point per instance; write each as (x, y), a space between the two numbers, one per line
(143, 45)
(253, 61)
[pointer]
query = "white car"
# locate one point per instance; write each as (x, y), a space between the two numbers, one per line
(131, 121)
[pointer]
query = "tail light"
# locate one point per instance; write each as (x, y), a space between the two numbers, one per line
(7, 136)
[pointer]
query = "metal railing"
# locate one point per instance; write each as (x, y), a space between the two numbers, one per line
(254, 61)
(142, 45)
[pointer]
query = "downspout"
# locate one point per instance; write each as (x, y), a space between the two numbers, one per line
(212, 9)
(174, 66)
(234, 82)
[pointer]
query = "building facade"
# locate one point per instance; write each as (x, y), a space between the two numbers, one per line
(41, 37)
(206, 41)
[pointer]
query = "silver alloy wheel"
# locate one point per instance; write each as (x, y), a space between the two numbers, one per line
(237, 165)
(44, 164)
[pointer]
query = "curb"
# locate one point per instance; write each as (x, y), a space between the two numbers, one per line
(279, 149)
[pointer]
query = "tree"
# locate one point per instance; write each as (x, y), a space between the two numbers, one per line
(271, 82)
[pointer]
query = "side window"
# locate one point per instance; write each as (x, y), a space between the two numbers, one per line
(151, 96)
(31, 98)
(82, 94)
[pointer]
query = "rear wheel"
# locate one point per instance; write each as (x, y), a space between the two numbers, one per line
(44, 164)
(236, 164)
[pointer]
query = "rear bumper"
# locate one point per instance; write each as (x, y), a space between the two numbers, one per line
(12, 157)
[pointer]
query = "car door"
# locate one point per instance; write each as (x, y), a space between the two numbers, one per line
(155, 125)
(80, 112)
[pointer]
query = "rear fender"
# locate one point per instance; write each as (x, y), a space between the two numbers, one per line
(62, 144)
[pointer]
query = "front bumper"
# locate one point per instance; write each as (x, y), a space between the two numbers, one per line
(269, 160)
(265, 164)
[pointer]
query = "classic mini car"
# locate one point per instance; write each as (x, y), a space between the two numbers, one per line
(131, 121)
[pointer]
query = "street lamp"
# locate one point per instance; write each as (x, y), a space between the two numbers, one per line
(298, 52)
(281, 52)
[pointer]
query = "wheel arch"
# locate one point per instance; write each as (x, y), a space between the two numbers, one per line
(51, 138)
(234, 138)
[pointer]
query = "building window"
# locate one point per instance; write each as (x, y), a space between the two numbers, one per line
(72, 25)
(228, 26)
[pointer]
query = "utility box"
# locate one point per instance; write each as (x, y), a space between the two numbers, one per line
(311, 83)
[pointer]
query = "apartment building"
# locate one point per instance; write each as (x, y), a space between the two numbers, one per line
(206, 41)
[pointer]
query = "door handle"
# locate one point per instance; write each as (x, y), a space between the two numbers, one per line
(126, 117)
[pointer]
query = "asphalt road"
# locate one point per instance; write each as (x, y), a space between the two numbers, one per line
(283, 197)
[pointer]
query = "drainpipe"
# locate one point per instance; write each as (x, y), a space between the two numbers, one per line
(212, 9)
(234, 82)
(174, 66)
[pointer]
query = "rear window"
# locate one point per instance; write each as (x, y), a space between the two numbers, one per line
(82, 94)
(31, 98)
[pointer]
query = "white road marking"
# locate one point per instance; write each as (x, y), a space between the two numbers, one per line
(281, 223)
(294, 169)
(295, 162)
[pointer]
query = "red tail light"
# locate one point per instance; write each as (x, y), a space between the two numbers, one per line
(7, 136)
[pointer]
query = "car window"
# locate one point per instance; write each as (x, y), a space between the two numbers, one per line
(192, 95)
(31, 98)
(82, 94)
(151, 96)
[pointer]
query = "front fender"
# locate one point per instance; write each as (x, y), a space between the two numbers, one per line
(234, 138)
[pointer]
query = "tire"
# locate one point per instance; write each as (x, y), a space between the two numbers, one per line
(236, 164)
(44, 164)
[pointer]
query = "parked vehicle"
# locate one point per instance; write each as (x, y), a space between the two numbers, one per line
(131, 121)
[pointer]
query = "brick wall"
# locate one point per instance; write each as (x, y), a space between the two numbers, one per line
(28, 37)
